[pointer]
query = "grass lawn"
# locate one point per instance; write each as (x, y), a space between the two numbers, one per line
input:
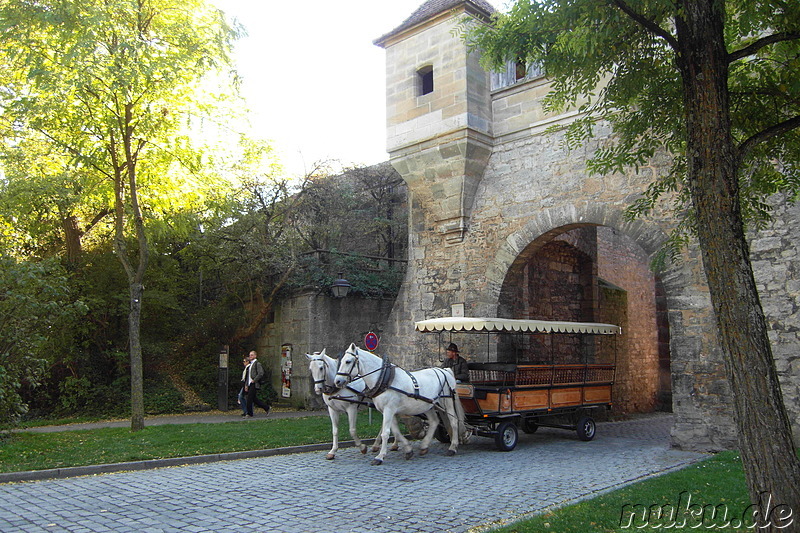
(708, 496)
(38, 451)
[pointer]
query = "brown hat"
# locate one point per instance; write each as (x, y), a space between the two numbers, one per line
(452, 348)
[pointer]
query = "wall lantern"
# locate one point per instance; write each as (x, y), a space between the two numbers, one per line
(340, 287)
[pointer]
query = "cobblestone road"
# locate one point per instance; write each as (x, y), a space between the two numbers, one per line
(303, 493)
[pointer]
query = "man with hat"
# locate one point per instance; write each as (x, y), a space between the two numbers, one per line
(457, 363)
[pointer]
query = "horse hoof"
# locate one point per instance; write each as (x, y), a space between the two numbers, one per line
(409, 455)
(394, 447)
(423, 451)
(375, 449)
(363, 450)
(376, 462)
(449, 453)
(330, 457)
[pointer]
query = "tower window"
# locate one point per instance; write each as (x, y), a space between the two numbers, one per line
(520, 69)
(425, 76)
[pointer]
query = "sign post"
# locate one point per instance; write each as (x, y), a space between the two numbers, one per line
(371, 341)
(222, 379)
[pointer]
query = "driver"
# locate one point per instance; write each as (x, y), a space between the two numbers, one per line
(457, 363)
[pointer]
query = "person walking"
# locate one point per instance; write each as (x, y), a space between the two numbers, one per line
(255, 375)
(242, 399)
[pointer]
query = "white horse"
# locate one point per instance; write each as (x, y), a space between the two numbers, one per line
(395, 391)
(348, 399)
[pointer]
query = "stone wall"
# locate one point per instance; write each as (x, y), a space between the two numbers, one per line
(625, 265)
(532, 191)
(311, 322)
(776, 264)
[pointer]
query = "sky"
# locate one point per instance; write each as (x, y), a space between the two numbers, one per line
(313, 80)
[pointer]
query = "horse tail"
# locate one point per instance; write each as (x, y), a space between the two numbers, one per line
(457, 418)
(461, 425)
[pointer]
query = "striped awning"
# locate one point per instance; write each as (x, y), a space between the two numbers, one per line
(509, 325)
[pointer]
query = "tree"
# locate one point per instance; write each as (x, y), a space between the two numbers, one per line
(359, 210)
(50, 208)
(112, 86)
(723, 78)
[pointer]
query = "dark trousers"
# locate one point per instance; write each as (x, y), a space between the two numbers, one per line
(252, 399)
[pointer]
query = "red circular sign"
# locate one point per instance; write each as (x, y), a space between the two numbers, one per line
(371, 341)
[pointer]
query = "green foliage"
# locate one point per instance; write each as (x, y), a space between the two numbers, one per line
(369, 277)
(76, 393)
(37, 312)
(355, 224)
(109, 94)
(161, 397)
(89, 86)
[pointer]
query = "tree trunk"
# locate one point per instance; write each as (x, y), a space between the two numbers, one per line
(768, 454)
(137, 379)
(72, 239)
(125, 175)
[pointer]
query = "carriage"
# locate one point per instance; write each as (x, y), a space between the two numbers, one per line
(535, 373)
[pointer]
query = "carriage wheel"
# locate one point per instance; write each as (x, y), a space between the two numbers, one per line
(506, 437)
(441, 434)
(529, 425)
(586, 428)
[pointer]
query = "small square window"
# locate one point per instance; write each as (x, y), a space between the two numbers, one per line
(520, 69)
(425, 77)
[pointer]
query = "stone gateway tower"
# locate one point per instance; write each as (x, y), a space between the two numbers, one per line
(505, 221)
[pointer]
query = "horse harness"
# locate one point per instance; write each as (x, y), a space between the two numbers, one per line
(330, 390)
(386, 377)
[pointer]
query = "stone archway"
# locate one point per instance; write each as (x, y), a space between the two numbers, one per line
(596, 269)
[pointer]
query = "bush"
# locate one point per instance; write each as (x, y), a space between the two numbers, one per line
(36, 307)
(161, 398)
(76, 394)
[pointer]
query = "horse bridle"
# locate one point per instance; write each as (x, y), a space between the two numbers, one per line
(384, 378)
(355, 364)
(326, 389)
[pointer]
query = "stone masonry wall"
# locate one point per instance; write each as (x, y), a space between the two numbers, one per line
(311, 322)
(625, 264)
(533, 190)
(776, 264)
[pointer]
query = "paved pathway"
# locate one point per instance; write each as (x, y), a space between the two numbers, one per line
(302, 493)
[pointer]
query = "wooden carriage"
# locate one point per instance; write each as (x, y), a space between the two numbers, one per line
(504, 395)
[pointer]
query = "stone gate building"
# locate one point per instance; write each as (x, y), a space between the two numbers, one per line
(505, 221)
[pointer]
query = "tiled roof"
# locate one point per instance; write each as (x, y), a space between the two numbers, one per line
(432, 8)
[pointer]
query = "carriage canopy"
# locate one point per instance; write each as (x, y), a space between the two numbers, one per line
(509, 325)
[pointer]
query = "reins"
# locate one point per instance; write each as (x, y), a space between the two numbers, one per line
(353, 400)
(384, 379)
